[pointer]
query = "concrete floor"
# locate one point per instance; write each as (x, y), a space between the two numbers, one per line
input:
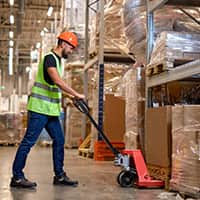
(97, 180)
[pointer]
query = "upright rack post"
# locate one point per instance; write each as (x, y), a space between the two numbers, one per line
(101, 68)
(85, 73)
(150, 38)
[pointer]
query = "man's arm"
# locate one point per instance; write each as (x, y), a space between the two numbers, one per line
(53, 73)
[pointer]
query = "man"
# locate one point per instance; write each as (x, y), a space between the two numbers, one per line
(44, 108)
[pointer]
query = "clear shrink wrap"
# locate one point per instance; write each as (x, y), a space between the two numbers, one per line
(114, 37)
(168, 18)
(171, 47)
(186, 150)
(133, 84)
(11, 128)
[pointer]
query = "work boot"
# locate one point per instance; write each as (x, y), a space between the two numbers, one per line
(64, 180)
(22, 183)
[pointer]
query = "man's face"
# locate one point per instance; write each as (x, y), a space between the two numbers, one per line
(66, 50)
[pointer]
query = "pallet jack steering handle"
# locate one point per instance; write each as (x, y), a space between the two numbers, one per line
(82, 106)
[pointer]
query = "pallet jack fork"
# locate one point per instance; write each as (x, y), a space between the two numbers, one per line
(134, 171)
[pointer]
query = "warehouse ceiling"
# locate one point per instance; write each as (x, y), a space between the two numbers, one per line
(30, 18)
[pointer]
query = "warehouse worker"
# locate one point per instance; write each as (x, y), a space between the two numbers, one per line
(44, 107)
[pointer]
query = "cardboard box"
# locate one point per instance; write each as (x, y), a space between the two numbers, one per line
(158, 136)
(114, 117)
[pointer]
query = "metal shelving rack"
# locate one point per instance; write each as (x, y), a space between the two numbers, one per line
(100, 59)
(179, 73)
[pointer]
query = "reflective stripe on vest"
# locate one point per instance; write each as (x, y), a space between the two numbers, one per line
(52, 100)
(46, 87)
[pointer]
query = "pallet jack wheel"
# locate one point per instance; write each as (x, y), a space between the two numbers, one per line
(127, 178)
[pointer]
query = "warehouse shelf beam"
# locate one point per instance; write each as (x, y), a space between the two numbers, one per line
(91, 63)
(178, 73)
(120, 51)
(110, 58)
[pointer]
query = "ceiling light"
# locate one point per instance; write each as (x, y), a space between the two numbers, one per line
(42, 33)
(28, 69)
(10, 61)
(38, 45)
(11, 43)
(12, 19)
(11, 2)
(49, 12)
(45, 29)
(11, 34)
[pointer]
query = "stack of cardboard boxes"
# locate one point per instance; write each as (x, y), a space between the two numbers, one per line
(172, 141)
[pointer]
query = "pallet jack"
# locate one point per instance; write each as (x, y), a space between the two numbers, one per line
(134, 171)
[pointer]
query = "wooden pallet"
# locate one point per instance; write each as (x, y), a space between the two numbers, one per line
(84, 149)
(9, 143)
(45, 143)
(86, 142)
(157, 69)
(161, 173)
(85, 152)
(107, 51)
(184, 191)
(164, 65)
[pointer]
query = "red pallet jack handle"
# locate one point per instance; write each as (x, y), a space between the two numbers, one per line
(144, 179)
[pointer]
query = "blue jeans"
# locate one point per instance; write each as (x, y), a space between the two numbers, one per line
(36, 122)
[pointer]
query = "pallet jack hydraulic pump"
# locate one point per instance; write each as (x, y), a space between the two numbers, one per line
(134, 171)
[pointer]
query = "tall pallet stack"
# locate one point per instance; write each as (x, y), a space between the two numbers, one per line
(134, 93)
(114, 38)
(186, 150)
(158, 143)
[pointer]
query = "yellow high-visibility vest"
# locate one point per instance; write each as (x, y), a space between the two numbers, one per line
(45, 98)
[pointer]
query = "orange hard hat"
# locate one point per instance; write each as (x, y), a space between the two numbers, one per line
(69, 37)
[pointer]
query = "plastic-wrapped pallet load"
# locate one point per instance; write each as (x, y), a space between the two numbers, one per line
(186, 150)
(133, 85)
(114, 37)
(165, 19)
(11, 128)
(175, 46)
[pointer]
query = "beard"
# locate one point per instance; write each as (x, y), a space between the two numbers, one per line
(64, 55)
